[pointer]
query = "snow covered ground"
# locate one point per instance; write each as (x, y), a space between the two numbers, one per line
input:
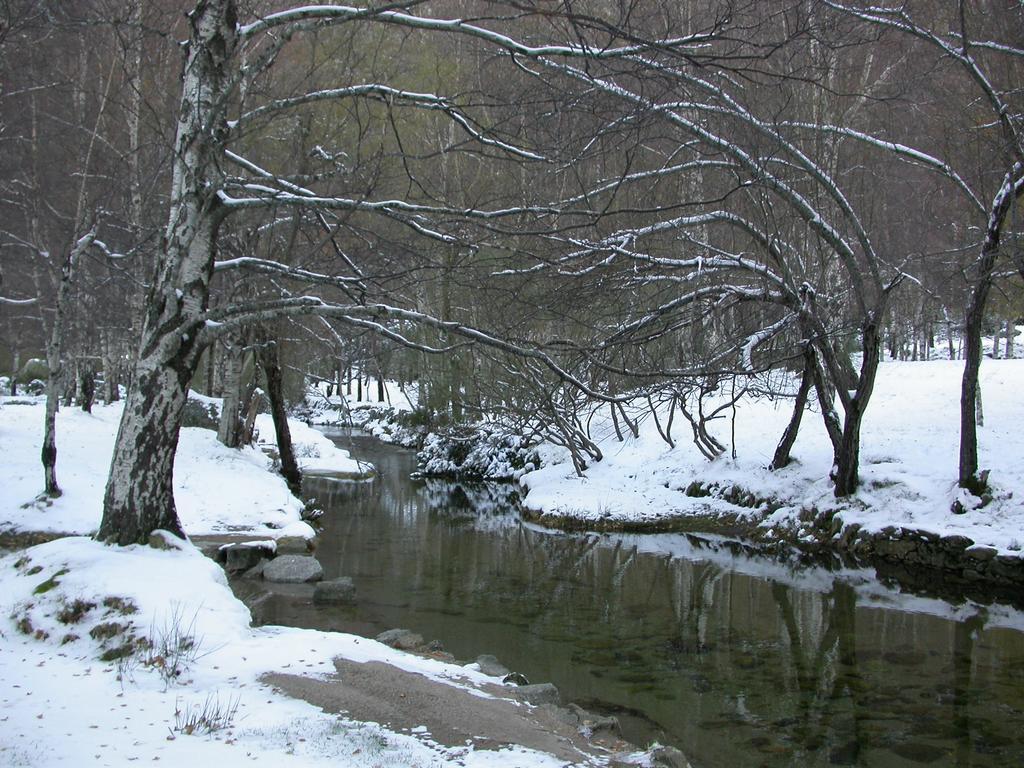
(216, 489)
(908, 461)
(117, 655)
(67, 603)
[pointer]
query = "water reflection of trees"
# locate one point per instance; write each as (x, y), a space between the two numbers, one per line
(737, 668)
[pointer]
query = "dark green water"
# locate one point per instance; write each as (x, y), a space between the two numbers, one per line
(737, 660)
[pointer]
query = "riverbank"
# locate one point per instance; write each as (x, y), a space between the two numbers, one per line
(902, 513)
(135, 653)
(119, 654)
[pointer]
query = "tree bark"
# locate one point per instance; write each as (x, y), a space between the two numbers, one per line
(86, 389)
(55, 366)
(229, 429)
(15, 366)
(972, 344)
(139, 496)
(782, 456)
(111, 389)
(848, 456)
(270, 361)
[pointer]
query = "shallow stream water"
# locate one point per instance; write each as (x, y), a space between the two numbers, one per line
(739, 660)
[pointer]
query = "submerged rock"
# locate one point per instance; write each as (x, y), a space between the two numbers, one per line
(336, 591)
(293, 569)
(256, 572)
(402, 639)
(668, 757)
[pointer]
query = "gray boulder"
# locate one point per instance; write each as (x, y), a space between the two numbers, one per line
(490, 665)
(294, 545)
(593, 723)
(256, 572)
(161, 539)
(242, 557)
(293, 569)
(336, 591)
(402, 639)
(668, 757)
(539, 693)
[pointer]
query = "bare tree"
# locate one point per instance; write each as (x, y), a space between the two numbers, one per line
(992, 68)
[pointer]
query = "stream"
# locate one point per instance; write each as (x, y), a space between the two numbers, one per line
(736, 659)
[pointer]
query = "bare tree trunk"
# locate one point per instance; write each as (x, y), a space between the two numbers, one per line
(1011, 332)
(254, 400)
(139, 495)
(827, 402)
(211, 353)
(15, 365)
(111, 372)
(848, 456)
(615, 421)
(55, 366)
(782, 452)
(270, 361)
(1011, 189)
(229, 429)
(969, 389)
(86, 389)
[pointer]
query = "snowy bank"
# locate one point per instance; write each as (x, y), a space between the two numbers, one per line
(908, 468)
(216, 489)
(118, 654)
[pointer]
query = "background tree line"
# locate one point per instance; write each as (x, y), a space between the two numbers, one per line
(530, 210)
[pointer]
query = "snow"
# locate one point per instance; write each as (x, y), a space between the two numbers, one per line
(313, 451)
(216, 489)
(65, 603)
(61, 705)
(910, 443)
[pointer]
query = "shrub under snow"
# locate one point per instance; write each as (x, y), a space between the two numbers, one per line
(484, 452)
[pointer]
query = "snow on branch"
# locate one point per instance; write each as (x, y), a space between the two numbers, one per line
(268, 267)
(714, 292)
(901, 150)
(222, 320)
(760, 337)
(800, 204)
(262, 195)
(614, 184)
(338, 13)
(389, 95)
(897, 18)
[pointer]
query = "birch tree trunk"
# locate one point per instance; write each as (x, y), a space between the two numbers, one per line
(139, 496)
(111, 391)
(55, 366)
(229, 430)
